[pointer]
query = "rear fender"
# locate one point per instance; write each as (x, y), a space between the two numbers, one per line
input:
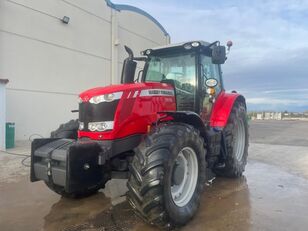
(222, 108)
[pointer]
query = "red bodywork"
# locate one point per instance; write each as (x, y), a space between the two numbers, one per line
(222, 108)
(137, 109)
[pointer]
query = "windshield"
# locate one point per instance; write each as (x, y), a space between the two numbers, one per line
(181, 68)
(178, 67)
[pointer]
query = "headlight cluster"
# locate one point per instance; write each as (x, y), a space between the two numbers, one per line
(188, 46)
(97, 126)
(100, 126)
(146, 52)
(106, 98)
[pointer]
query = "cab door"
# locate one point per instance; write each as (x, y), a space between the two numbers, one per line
(208, 70)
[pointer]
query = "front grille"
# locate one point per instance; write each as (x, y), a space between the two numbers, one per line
(104, 111)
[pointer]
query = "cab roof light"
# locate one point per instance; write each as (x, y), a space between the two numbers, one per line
(195, 44)
(187, 46)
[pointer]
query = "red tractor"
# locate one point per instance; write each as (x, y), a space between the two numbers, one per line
(168, 131)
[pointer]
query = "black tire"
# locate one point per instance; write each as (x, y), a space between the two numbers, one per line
(151, 171)
(67, 130)
(235, 166)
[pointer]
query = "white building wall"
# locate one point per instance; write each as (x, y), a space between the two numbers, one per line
(48, 62)
(2, 115)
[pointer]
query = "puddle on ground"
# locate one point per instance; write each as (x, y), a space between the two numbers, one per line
(266, 198)
(118, 217)
(72, 214)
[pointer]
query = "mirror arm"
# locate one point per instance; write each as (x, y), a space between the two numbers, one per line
(141, 58)
(138, 76)
(217, 43)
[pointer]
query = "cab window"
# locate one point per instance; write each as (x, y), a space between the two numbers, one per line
(181, 69)
(210, 70)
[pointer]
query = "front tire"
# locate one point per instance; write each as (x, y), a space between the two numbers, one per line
(237, 141)
(67, 130)
(168, 175)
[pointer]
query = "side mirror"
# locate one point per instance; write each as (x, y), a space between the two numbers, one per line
(218, 54)
(128, 71)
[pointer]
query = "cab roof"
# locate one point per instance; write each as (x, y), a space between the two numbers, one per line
(176, 47)
(202, 43)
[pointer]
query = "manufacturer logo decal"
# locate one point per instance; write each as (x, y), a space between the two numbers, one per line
(157, 92)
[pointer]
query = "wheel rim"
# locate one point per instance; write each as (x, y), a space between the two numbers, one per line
(183, 190)
(240, 139)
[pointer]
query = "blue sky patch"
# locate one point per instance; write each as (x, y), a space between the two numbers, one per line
(269, 60)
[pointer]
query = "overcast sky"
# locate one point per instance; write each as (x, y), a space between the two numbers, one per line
(269, 60)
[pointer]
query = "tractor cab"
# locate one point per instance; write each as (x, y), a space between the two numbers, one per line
(192, 68)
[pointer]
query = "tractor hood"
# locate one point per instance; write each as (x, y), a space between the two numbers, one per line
(124, 110)
(136, 87)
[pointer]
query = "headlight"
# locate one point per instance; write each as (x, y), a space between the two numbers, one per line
(195, 44)
(109, 97)
(101, 98)
(187, 46)
(79, 100)
(100, 126)
(81, 125)
(105, 98)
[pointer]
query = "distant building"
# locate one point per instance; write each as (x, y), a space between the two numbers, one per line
(260, 116)
(267, 115)
(53, 50)
(277, 116)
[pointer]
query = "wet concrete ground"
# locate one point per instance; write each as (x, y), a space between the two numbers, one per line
(270, 196)
(290, 133)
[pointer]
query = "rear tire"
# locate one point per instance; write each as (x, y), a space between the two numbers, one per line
(237, 142)
(69, 131)
(162, 190)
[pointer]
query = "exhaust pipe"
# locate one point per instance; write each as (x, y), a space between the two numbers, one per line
(129, 67)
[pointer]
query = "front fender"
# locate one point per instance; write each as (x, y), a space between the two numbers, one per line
(222, 108)
(187, 117)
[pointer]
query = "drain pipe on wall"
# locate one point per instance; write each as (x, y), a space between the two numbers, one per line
(115, 42)
(3, 83)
